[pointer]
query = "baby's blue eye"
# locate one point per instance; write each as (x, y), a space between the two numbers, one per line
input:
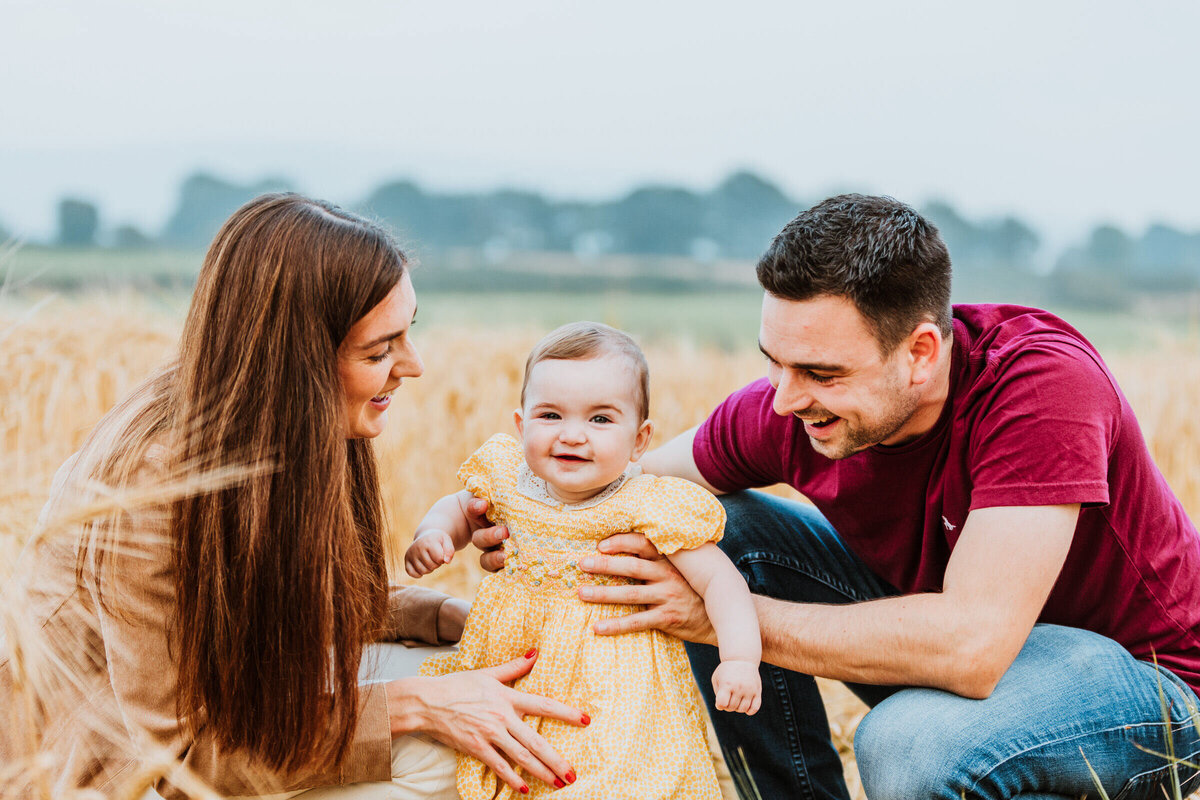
(600, 418)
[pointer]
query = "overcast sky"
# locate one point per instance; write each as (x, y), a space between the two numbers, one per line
(1065, 113)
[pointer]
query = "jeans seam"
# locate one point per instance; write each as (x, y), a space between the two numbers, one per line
(763, 556)
(1157, 773)
(799, 767)
(1059, 740)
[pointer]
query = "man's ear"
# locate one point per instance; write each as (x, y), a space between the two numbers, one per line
(923, 348)
(519, 421)
(644, 435)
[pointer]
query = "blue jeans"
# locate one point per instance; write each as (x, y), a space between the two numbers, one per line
(1070, 693)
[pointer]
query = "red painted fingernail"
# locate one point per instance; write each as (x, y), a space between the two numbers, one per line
(532, 652)
(571, 776)
(558, 784)
(524, 789)
(585, 719)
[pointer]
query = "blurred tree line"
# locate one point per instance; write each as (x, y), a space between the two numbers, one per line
(993, 258)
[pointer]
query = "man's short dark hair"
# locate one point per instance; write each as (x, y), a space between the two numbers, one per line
(877, 252)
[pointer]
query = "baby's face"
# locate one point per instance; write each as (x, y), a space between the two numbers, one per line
(580, 426)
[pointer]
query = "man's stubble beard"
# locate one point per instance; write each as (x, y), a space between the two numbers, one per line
(858, 439)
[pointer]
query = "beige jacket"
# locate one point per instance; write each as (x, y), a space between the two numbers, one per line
(106, 716)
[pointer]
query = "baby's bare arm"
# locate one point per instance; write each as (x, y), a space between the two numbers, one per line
(726, 600)
(449, 515)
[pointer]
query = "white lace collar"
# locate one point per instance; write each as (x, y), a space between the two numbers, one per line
(534, 488)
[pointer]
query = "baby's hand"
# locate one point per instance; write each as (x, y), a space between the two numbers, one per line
(738, 686)
(431, 549)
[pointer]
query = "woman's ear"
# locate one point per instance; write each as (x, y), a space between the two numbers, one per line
(642, 440)
(519, 421)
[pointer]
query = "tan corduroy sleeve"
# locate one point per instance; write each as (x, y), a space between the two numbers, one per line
(413, 615)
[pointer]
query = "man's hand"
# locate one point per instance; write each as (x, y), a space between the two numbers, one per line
(672, 606)
(485, 536)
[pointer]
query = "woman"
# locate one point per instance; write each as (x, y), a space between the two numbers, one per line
(224, 630)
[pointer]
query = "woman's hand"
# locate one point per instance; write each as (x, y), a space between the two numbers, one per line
(476, 713)
(674, 607)
(486, 537)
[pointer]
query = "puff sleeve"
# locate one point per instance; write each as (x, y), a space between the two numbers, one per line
(676, 514)
(495, 457)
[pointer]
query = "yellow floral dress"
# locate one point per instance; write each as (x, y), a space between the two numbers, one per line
(646, 740)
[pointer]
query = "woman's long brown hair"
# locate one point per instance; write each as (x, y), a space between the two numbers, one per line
(281, 579)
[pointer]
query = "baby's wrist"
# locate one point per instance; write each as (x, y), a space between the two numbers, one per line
(747, 660)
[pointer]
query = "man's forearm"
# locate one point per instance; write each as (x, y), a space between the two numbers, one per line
(913, 640)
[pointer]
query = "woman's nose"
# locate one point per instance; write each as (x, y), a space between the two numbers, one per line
(410, 364)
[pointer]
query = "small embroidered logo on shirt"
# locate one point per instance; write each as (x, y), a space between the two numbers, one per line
(946, 522)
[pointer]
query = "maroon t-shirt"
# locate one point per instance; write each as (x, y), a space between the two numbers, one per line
(1033, 417)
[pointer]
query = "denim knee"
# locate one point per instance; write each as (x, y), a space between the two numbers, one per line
(903, 754)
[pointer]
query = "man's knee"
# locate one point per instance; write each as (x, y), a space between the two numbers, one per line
(906, 748)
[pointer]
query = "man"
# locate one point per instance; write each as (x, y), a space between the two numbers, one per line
(993, 562)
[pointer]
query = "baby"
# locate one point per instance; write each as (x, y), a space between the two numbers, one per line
(571, 481)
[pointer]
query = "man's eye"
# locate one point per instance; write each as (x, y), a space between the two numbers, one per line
(820, 378)
(601, 419)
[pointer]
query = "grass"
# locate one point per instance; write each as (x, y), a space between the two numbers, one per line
(71, 359)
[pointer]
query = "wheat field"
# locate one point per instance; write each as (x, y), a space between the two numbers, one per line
(64, 362)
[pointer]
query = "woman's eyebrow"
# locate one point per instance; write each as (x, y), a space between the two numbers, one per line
(390, 336)
(385, 338)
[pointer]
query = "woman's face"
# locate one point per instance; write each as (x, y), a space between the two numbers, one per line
(373, 359)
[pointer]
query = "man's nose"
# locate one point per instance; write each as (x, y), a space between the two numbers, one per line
(791, 395)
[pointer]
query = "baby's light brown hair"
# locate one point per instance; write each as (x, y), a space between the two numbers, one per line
(579, 341)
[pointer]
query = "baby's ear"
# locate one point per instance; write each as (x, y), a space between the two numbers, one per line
(519, 421)
(642, 441)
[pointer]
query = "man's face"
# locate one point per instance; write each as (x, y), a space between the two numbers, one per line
(827, 370)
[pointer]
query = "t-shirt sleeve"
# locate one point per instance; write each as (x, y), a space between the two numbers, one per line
(741, 444)
(678, 515)
(478, 472)
(1046, 430)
